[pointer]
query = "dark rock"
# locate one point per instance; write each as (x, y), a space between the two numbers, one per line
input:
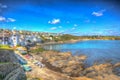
(64, 62)
(102, 71)
(116, 69)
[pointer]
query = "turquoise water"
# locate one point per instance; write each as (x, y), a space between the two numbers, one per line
(96, 50)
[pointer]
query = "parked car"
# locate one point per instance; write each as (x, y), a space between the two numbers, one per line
(38, 63)
(21, 60)
(22, 50)
(27, 68)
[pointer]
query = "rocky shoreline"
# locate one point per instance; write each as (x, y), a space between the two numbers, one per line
(61, 66)
(62, 42)
(59, 42)
(74, 66)
(68, 41)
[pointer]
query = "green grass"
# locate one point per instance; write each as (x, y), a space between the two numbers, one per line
(4, 62)
(4, 47)
(1, 77)
(38, 50)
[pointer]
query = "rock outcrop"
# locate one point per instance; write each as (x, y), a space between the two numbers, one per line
(105, 71)
(74, 66)
(116, 69)
(64, 62)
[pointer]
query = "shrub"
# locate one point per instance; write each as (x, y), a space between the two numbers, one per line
(38, 50)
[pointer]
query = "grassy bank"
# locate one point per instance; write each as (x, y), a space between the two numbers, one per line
(5, 47)
(72, 38)
(37, 50)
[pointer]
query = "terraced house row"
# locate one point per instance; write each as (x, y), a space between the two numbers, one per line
(15, 37)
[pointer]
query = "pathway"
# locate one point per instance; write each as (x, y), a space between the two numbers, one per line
(44, 73)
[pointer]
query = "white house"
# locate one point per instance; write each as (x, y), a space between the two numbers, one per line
(15, 39)
(4, 38)
(22, 40)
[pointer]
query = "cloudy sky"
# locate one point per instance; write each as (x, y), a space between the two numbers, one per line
(78, 17)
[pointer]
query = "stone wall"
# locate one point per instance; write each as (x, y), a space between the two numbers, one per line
(10, 69)
(7, 56)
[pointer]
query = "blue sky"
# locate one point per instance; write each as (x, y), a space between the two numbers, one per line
(77, 17)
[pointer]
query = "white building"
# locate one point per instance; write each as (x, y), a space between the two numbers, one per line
(15, 38)
(4, 38)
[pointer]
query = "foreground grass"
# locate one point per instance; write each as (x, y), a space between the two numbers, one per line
(5, 47)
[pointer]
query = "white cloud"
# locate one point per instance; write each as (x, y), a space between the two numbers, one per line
(11, 20)
(60, 26)
(2, 18)
(54, 21)
(53, 28)
(14, 27)
(99, 13)
(49, 22)
(73, 28)
(3, 6)
(75, 25)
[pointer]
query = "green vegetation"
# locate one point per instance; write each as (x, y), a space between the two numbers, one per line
(5, 47)
(37, 50)
(1, 77)
(101, 37)
(44, 39)
(18, 45)
(67, 37)
(4, 62)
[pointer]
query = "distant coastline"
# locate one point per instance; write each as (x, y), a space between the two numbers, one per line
(66, 38)
(69, 41)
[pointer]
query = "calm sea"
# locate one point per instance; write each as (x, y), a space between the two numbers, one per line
(98, 51)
